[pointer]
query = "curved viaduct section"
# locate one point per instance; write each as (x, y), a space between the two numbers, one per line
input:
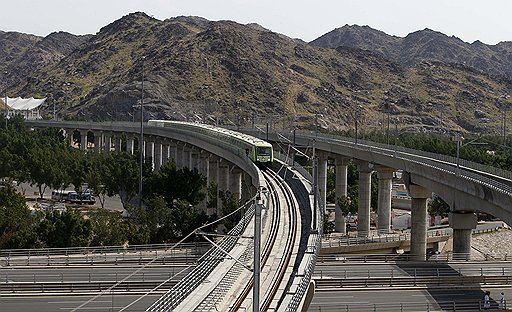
(107, 135)
(466, 188)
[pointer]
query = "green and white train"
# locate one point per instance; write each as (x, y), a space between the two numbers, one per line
(259, 151)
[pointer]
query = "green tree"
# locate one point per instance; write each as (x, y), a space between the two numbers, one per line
(98, 176)
(108, 228)
(328, 225)
(140, 228)
(65, 229)
(229, 204)
(347, 205)
(14, 218)
(172, 184)
(438, 207)
(46, 165)
(212, 195)
(123, 176)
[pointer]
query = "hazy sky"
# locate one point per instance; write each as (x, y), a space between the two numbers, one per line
(488, 21)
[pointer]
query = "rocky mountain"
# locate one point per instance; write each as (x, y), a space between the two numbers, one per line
(197, 69)
(21, 55)
(423, 45)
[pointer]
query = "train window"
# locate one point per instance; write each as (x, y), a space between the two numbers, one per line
(265, 151)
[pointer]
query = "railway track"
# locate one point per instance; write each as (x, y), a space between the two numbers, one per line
(277, 257)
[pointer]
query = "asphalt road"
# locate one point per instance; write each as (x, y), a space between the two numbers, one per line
(408, 300)
(405, 299)
(90, 273)
(339, 270)
(107, 302)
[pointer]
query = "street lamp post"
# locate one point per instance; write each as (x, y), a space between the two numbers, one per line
(459, 138)
(504, 134)
(502, 104)
(6, 107)
(387, 130)
(257, 248)
(396, 135)
(141, 150)
(357, 116)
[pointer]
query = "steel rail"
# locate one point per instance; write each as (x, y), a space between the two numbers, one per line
(278, 190)
(268, 244)
(289, 245)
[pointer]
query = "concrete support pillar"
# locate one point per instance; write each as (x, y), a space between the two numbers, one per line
(187, 157)
(204, 169)
(117, 142)
(173, 151)
(322, 179)
(194, 159)
(141, 146)
(165, 152)
(385, 176)
(148, 151)
(419, 196)
(83, 140)
(179, 156)
(223, 181)
(248, 190)
(97, 141)
(213, 175)
(204, 164)
(130, 145)
(158, 155)
(341, 190)
(106, 142)
(235, 182)
(70, 137)
(365, 194)
(462, 223)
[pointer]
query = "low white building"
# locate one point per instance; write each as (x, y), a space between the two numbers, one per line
(28, 108)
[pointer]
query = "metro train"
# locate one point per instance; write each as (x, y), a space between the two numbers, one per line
(259, 151)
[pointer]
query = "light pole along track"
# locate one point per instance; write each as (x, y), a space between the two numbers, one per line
(279, 246)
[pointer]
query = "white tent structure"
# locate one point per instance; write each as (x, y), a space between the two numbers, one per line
(29, 108)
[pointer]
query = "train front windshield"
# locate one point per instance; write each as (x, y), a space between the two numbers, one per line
(263, 151)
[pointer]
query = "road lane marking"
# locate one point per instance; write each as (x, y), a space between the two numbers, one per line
(74, 302)
(109, 308)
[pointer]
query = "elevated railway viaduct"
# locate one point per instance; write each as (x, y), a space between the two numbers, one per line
(466, 187)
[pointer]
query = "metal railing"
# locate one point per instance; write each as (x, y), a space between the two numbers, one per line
(305, 282)
(96, 249)
(438, 306)
(212, 258)
(8, 277)
(379, 238)
(165, 254)
(445, 257)
(416, 272)
(429, 281)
